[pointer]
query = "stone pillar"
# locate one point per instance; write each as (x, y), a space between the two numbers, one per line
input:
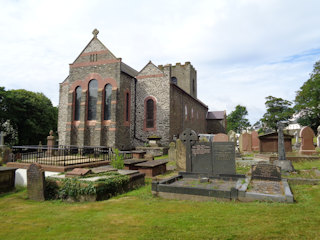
(286, 165)
(50, 143)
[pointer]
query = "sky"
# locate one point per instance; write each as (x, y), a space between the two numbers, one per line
(243, 50)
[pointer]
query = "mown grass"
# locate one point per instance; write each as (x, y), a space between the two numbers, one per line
(139, 215)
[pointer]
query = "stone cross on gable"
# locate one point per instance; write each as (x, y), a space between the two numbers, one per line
(95, 32)
(188, 137)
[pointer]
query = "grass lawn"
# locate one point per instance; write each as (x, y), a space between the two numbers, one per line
(139, 215)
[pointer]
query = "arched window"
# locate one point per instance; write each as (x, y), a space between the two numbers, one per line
(191, 113)
(77, 101)
(150, 114)
(185, 112)
(92, 99)
(107, 102)
(174, 80)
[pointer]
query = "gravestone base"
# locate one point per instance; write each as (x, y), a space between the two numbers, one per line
(307, 152)
(286, 165)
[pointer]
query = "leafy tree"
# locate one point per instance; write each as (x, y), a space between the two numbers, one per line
(236, 120)
(31, 116)
(308, 100)
(278, 109)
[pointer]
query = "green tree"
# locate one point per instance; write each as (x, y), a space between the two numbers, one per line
(308, 100)
(236, 120)
(31, 115)
(278, 109)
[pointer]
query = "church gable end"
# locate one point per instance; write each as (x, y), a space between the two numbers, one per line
(149, 71)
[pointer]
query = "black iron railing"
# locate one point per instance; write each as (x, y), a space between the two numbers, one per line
(64, 155)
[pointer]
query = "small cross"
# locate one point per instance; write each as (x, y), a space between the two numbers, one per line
(95, 32)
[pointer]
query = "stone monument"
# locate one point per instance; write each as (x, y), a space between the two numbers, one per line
(286, 165)
(50, 143)
(307, 146)
(36, 182)
(221, 137)
(255, 142)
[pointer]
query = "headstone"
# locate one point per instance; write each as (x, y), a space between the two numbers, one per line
(188, 137)
(266, 171)
(76, 172)
(213, 158)
(297, 143)
(232, 136)
(307, 136)
(172, 153)
(181, 155)
(221, 137)
(255, 142)
(286, 165)
(245, 145)
(35, 182)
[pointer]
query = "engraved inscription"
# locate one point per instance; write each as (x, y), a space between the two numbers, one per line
(266, 171)
(200, 149)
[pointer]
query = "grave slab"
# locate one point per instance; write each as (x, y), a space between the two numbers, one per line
(265, 171)
(103, 169)
(77, 172)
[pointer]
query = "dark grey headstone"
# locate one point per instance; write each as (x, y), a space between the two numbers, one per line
(36, 182)
(265, 171)
(189, 138)
(223, 154)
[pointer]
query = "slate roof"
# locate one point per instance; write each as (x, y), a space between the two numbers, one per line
(128, 70)
(216, 115)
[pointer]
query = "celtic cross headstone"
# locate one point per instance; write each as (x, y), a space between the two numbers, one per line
(188, 137)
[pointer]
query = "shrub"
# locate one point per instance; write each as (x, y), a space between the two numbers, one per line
(117, 160)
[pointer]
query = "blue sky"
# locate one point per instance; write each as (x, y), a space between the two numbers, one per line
(243, 50)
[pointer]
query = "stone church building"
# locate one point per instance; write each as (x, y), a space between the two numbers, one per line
(105, 102)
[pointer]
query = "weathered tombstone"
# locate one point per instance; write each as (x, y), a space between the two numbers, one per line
(181, 155)
(6, 155)
(172, 153)
(318, 136)
(255, 142)
(286, 165)
(221, 137)
(188, 137)
(245, 142)
(35, 182)
(264, 171)
(297, 143)
(307, 136)
(232, 136)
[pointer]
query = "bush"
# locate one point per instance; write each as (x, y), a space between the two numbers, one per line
(117, 160)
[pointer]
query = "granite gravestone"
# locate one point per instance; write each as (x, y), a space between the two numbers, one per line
(36, 182)
(188, 137)
(265, 171)
(213, 158)
(245, 145)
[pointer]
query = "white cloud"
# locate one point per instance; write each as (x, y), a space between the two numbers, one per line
(243, 50)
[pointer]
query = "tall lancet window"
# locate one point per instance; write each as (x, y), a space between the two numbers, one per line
(77, 101)
(107, 101)
(92, 99)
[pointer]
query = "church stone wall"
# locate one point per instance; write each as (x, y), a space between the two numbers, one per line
(152, 82)
(178, 119)
(63, 112)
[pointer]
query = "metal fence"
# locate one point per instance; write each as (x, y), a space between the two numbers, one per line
(64, 155)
